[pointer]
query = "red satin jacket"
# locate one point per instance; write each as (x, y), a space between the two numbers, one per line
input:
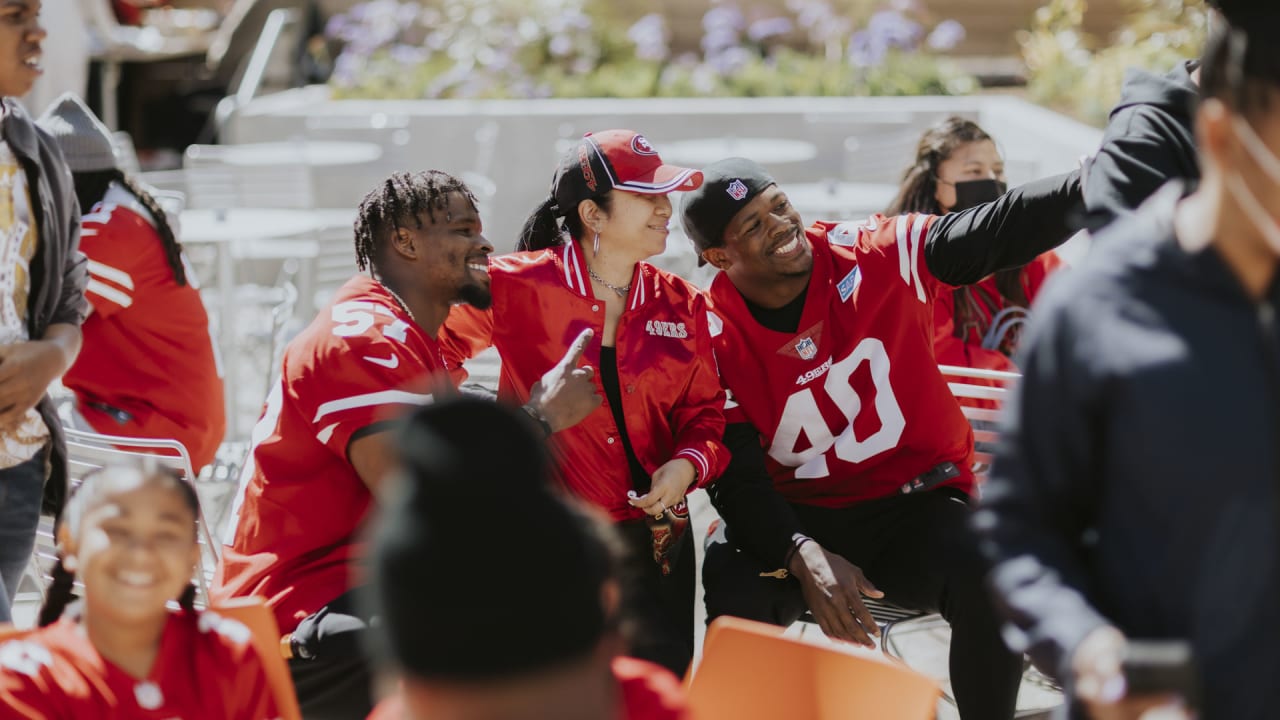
(671, 395)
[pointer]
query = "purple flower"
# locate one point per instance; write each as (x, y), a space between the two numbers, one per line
(946, 36)
(895, 30)
(731, 60)
(718, 40)
(649, 34)
(560, 46)
(865, 50)
(724, 17)
(347, 69)
(906, 6)
(810, 13)
(762, 30)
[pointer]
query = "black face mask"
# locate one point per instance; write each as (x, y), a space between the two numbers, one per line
(972, 193)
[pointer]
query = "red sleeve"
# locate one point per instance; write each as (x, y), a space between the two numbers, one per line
(372, 370)
(649, 692)
(698, 421)
(463, 335)
(893, 245)
(29, 683)
(1038, 271)
(116, 262)
(251, 695)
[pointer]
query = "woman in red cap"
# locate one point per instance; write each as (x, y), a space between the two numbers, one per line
(581, 266)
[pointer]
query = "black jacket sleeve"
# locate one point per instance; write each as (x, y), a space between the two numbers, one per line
(1041, 498)
(1142, 149)
(964, 247)
(759, 519)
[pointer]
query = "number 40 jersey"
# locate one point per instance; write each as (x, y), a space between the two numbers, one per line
(851, 406)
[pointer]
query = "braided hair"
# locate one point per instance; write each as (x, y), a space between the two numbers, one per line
(61, 585)
(91, 188)
(402, 199)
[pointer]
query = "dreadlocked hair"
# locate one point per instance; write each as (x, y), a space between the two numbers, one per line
(542, 228)
(91, 188)
(402, 199)
(61, 590)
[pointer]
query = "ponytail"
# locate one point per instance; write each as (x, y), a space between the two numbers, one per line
(58, 596)
(541, 229)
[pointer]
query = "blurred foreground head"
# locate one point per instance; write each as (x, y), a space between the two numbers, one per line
(496, 598)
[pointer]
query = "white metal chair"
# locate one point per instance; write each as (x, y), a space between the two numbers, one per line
(89, 451)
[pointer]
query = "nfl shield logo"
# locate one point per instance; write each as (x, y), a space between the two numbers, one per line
(807, 348)
(737, 190)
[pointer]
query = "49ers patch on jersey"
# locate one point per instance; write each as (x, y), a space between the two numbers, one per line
(662, 328)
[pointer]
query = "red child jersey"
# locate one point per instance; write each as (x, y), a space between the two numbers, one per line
(647, 692)
(147, 348)
(362, 362)
(671, 397)
(963, 347)
(851, 406)
(206, 669)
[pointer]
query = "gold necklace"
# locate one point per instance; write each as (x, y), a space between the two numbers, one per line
(400, 301)
(622, 291)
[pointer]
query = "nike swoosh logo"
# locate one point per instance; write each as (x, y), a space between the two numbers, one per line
(390, 363)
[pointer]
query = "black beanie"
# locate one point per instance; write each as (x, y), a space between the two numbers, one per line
(479, 570)
(727, 186)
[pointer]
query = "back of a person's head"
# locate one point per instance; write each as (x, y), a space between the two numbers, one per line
(1241, 63)
(481, 573)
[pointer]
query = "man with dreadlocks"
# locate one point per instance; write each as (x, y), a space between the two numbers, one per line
(148, 367)
(323, 444)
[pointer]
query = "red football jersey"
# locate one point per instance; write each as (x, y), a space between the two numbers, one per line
(296, 516)
(147, 349)
(206, 669)
(647, 691)
(851, 406)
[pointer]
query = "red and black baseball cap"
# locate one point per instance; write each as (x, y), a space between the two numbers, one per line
(616, 160)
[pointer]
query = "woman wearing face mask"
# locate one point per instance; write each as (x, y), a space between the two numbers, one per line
(658, 435)
(958, 166)
(129, 533)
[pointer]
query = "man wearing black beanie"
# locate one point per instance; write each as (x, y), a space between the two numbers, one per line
(538, 639)
(850, 453)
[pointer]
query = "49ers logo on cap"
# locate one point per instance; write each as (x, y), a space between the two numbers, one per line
(584, 163)
(737, 190)
(641, 146)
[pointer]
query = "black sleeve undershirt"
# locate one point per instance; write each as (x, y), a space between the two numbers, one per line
(964, 247)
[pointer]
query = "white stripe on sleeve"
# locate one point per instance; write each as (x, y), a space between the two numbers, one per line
(115, 275)
(106, 292)
(385, 397)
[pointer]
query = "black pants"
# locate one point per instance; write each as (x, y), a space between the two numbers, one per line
(334, 682)
(918, 550)
(659, 608)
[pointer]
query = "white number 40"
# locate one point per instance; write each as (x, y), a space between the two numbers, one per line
(802, 415)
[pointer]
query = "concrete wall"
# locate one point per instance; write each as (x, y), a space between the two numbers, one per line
(516, 143)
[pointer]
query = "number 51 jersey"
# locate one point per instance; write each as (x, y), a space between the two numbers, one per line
(851, 406)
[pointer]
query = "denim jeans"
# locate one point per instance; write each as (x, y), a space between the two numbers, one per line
(21, 489)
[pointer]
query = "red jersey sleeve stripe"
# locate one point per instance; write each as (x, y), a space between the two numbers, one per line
(900, 226)
(115, 275)
(698, 459)
(386, 397)
(106, 292)
(918, 224)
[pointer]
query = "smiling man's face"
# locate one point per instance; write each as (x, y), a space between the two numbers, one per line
(20, 38)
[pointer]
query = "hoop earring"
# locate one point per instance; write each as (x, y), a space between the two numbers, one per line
(596, 245)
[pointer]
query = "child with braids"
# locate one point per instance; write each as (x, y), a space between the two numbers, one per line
(148, 367)
(129, 533)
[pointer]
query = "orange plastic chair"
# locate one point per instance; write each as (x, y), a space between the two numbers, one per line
(750, 672)
(255, 615)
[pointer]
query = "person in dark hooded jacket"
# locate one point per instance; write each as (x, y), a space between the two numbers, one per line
(1135, 499)
(1150, 138)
